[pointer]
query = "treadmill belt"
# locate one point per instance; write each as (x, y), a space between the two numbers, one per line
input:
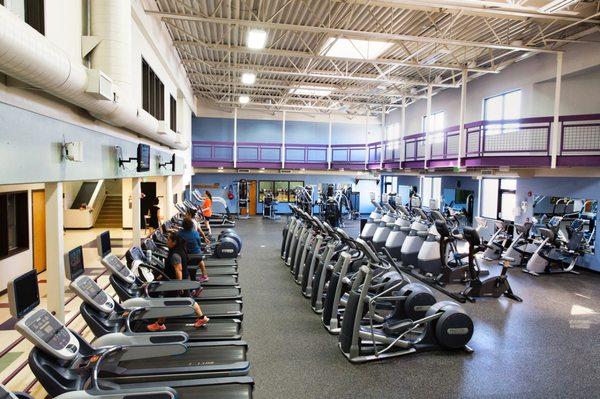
(218, 270)
(215, 330)
(220, 280)
(221, 308)
(230, 391)
(220, 261)
(195, 356)
(219, 293)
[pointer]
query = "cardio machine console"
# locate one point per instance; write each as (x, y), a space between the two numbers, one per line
(116, 267)
(364, 247)
(88, 290)
(47, 333)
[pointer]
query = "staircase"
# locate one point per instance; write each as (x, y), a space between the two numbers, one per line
(112, 213)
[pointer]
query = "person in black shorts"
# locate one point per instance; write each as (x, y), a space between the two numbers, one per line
(154, 213)
(176, 269)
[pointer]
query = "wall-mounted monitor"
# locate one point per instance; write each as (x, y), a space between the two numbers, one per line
(74, 263)
(23, 294)
(143, 158)
(103, 244)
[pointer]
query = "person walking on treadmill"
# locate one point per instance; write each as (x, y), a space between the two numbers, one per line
(192, 240)
(176, 269)
(207, 210)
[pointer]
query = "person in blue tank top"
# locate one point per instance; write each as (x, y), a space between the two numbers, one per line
(193, 243)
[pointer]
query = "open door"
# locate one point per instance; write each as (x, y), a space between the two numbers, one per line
(39, 229)
(252, 196)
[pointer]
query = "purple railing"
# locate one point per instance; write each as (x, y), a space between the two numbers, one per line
(519, 142)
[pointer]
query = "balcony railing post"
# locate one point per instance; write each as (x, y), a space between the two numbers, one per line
(461, 122)
(555, 125)
(402, 144)
(235, 137)
(366, 139)
(329, 151)
(283, 142)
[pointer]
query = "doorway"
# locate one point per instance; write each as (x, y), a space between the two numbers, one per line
(147, 200)
(252, 197)
(38, 210)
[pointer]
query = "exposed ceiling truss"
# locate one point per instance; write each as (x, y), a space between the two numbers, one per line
(432, 43)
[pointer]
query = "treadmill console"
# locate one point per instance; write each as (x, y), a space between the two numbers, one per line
(116, 267)
(91, 293)
(47, 333)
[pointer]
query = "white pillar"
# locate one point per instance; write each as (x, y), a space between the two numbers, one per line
(136, 210)
(428, 126)
(366, 139)
(55, 250)
(170, 211)
(383, 138)
(235, 137)
(329, 151)
(283, 141)
(403, 132)
(461, 122)
(555, 136)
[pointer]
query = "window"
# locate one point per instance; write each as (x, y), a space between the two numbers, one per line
(14, 233)
(499, 199)
(173, 113)
(283, 191)
(505, 106)
(436, 122)
(431, 188)
(30, 11)
(153, 93)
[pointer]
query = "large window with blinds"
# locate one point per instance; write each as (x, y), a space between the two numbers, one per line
(153, 92)
(30, 11)
(14, 231)
(172, 113)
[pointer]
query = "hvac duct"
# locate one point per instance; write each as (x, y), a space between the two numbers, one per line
(30, 57)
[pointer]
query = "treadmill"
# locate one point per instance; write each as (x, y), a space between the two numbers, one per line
(63, 361)
(128, 286)
(6, 394)
(135, 253)
(104, 316)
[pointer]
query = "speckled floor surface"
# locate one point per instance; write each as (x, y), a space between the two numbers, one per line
(546, 347)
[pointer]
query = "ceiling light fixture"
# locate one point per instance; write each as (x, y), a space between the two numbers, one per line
(556, 6)
(354, 48)
(244, 99)
(311, 91)
(256, 39)
(248, 78)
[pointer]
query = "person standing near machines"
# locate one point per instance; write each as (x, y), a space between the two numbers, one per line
(207, 210)
(154, 215)
(191, 234)
(176, 269)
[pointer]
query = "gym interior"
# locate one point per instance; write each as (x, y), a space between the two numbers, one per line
(299, 199)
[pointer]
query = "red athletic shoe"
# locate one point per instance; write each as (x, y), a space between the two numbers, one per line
(201, 322)
(154, 327)
(203, 278)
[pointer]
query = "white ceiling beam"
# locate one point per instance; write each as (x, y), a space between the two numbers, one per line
(349, 33)
(318, 57)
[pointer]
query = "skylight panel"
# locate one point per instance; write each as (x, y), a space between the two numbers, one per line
(354, 48)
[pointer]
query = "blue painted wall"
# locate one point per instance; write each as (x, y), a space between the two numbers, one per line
(269, 131)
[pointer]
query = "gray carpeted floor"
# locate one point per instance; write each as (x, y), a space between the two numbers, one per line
(546, 347)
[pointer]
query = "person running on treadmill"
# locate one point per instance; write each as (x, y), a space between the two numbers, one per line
(176, 269)
(207, 210)
(190, 234)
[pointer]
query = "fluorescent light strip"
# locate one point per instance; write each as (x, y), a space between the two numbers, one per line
(315, 91)
(256, 39)
(244, 99)
(248, 78)
(556, 5)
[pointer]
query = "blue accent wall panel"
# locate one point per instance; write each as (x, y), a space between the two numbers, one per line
(259, 131)
(348, 133)
(212, 129)
(297, 132)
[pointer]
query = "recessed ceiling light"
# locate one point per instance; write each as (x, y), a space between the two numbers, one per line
(311, 91)
(248, 78)
(256, 39)
(354, 48)
(244, 99)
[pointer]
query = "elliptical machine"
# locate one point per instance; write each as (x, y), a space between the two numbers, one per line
(399, 232)
(493, 287)
(385, 225)
(370, 227)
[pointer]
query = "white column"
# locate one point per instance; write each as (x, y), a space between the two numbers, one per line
(136, 210)
(235, 137)
(428, 125)
(555, 124)
(55, 250)
(170, 211)
(329, 151)
(461, 121)
(383, 138)
(283, 141)
(403, 132)
(366, 139)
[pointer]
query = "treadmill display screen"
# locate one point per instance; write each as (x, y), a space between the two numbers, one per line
(104, 247)
(75, 263)
(143, 155)
(26, 293)
(88, 286)
(49, 330)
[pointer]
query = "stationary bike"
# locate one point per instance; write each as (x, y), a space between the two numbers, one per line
(492, 286)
